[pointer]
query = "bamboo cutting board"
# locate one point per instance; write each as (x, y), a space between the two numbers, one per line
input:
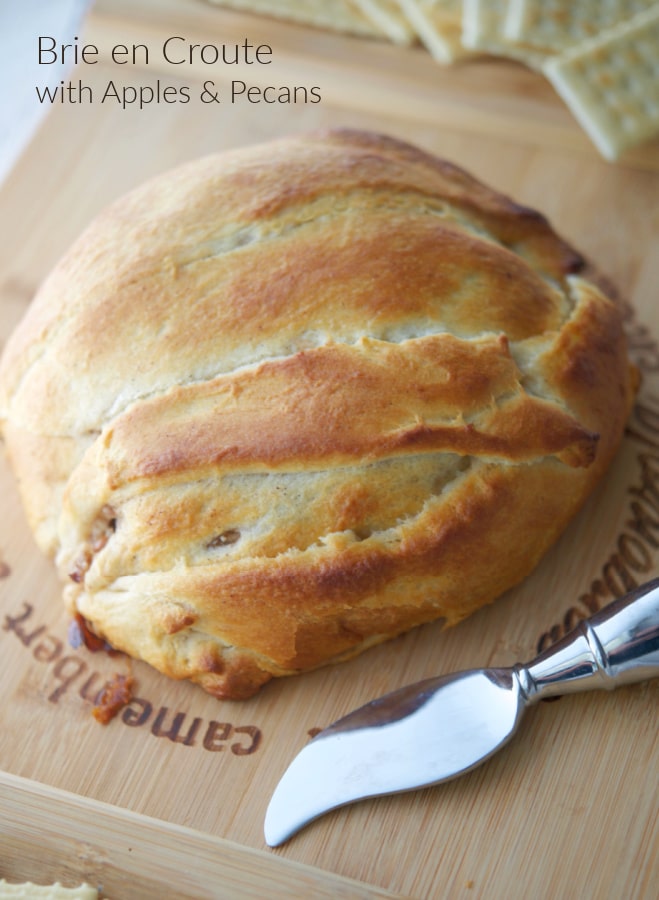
(169, 798)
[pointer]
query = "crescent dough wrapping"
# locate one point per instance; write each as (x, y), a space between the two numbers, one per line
(284, 403)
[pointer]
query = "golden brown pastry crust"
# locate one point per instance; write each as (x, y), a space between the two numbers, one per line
(284, 403)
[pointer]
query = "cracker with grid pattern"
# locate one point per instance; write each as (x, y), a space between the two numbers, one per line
(438, 24)
(555, 25)
(388, 16)
(611, 83)
(337, 15)
(29, 891)
(483, 29)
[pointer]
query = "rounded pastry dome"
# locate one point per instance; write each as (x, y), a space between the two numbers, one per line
(283, 403)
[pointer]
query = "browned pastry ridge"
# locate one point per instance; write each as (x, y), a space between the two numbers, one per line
(284, 403)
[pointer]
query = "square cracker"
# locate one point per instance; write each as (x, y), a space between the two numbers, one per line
(388, 16)
(611, 83)
(336, 15)
(482, 23)
(483, 29)
(557, 24)
(438, 24)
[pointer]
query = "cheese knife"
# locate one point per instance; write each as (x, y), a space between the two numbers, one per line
(440, 728)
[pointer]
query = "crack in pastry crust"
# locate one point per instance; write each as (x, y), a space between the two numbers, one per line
(279, 405)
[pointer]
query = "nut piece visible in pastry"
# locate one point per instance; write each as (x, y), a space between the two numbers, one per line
(284, 403)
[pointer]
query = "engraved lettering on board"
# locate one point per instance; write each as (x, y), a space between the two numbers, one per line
(71, 672)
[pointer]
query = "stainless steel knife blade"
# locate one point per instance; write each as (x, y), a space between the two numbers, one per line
(440, 728)
(375, 750)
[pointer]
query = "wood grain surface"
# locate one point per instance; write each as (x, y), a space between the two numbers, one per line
(169, 798)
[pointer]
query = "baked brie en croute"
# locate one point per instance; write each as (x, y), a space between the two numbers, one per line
(283, 403)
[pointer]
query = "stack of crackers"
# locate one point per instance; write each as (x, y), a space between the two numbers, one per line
(601, 56)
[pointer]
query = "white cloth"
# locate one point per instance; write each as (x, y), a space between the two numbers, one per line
(21, 24)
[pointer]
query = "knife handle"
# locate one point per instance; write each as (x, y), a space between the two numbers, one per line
(618, 645)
